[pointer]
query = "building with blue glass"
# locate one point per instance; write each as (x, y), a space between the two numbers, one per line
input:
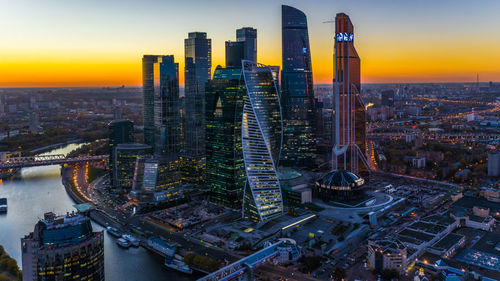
(63, 248)
(261, 134)
(297, 95)
(198, 68)
(166, 106)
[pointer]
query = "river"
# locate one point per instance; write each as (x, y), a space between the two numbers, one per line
(40, 190)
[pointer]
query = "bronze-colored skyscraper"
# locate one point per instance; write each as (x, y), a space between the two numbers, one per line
(350, 126)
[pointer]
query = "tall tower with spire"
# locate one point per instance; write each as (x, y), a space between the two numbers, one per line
(350, 126)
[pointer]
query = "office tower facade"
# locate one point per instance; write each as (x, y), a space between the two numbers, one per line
(119, 131)
(349, 147)
(248, 35)
(166, 106)
(235, 53)
(156, 180)
(297, 95)
(125, 157)
(225, 171)
(261, 143)
(198, 67)
(148, 92)
(63, 248)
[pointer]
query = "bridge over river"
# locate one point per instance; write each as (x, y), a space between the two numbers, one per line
(45, 160)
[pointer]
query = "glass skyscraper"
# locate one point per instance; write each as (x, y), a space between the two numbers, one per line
(297, 95)
(235, 53)
(225, 171)
(350, 126)
(198, 67)
(248, 35)
(261, 143)
(148, 62)
(120, 131)
(166, 106)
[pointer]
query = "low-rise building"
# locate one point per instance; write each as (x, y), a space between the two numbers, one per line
(387, 254)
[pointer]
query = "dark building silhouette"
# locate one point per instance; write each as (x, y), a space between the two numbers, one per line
(235, 53)
(388, 98)
(148, 62)
(119, 131)
(248, 35)
(297, 96)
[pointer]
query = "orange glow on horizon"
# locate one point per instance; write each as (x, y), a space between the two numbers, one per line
(379, 64)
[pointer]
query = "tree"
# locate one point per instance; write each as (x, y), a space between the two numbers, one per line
(389, 274)
(339, 274)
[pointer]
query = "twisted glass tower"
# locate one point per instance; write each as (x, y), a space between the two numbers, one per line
(261, 143)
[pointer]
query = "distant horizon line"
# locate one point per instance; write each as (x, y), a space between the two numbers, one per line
(181, 85)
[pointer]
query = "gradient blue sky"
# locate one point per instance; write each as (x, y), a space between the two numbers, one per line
(91, 42)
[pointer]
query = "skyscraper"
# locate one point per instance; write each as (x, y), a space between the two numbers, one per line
(235, 53)
(225, 169)
(120, 131)
(198, 59)
(148, 62)
(261, 143)
(166, 106)
(350, 116)
(63, 248)
(248, 35)
(297, 95)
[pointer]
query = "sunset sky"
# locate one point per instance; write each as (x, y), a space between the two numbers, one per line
(101, 42)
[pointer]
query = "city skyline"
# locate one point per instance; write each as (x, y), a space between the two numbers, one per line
(79, 44)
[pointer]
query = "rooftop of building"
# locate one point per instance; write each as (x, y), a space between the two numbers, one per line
(443, 219)
(427, 227)
(469, 202)
(52, 221)
(489, 243)
(340, 178)
(417, 237)
(447, 242)
(125, 146)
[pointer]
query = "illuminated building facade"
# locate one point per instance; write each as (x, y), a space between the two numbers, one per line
(198, 67)
(350, 126)
(166, 106)
(261, 143)
(119, 131)
(63, 248)
(339, 186)
(225, 171)
(156, 177)
(125, 157)
(297, 95)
